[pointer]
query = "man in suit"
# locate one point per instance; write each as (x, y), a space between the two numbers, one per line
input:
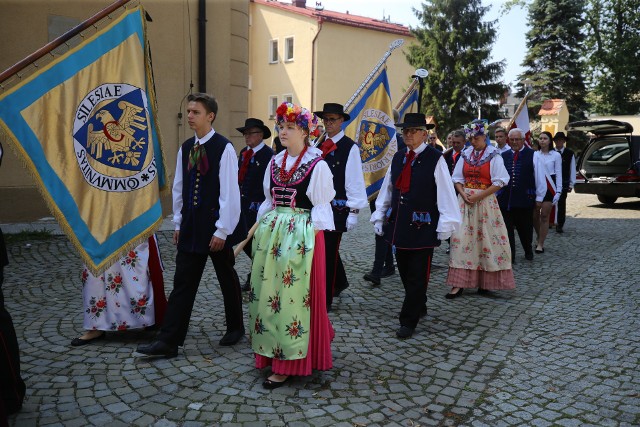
(206, 211)
(12, 387)
(343, 157)
(452, 155)
(252, 164)
(418, 192)
(518, 198)
(568, 177)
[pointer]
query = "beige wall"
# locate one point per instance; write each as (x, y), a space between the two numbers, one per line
(344, 56)
(173, 35)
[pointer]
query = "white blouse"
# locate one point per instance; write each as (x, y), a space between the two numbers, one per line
(547, 164)
(320, 190)
(499, 174)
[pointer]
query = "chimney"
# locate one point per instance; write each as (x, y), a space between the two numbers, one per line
(300, 3)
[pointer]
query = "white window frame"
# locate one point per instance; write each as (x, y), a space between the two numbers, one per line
(288, 40)
(273, 106)
(272, 43)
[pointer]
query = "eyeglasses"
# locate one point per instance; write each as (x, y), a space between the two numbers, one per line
(516, 139)
(331, 120)
(251, 133)
(410, 131)
(433, 138)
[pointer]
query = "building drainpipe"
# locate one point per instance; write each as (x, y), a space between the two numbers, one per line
(313, 63)
(202, 46)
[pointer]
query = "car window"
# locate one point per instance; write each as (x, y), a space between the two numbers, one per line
(607, 152)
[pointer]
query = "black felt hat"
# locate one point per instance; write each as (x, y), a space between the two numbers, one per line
(559, 135)
(255, 123)
(415, 120)
(332, 108)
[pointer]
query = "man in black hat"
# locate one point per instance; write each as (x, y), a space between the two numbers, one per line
(252, 164)
(416, 209)
(568, 177)
(343, 157)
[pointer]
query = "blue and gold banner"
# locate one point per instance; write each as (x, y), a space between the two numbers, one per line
(85, 127)
(372, 128)
(409, 105)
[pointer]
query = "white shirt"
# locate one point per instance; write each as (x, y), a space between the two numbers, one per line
(547, 164)
(499, 175)
(572, 169)
(320, 191)
(229, 199)
(450, 217)
(503, 149)
(353, 177)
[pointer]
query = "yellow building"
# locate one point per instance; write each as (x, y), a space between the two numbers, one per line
(175, 37)
(554, 115)
(310, 56)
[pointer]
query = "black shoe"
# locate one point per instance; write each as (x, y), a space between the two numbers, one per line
(158, 349)
(77, 342)
(448, 251)
(232, 337)
(404, 332)
(559, 229)
(329, 308)
(539, 251)
(374, 279)
(529, 256)
(483, 291)
(270, 384)
(387, 272)
(456, 295)
(246, 287)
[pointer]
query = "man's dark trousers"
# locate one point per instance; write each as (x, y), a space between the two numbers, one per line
(522, 220)
(414, 267)
(189, 269)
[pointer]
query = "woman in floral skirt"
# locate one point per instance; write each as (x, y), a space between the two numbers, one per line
(289, 326)
(480, 252)
(128, 295)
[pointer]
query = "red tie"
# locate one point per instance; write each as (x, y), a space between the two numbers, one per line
(327, 147)
(246, 157)
(455, 157)
(515, 157)
(404, 180)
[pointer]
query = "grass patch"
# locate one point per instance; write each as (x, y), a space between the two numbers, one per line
(27, 236)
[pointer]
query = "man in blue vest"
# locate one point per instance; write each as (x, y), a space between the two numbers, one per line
(416, 208)
(343, 157)
(568, 177)
(518, 198)
(206, 210)
(252, 164)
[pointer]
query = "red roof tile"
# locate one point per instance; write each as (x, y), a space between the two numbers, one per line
(339, 17)
(551, 107)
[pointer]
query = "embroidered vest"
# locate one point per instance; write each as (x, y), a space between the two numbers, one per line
(337, 161)
(292, 194)
(520, 192)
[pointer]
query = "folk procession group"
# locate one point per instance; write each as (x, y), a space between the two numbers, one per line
(301, 200)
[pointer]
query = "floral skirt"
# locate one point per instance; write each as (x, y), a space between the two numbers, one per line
(480, 252)
(285, 294)
(123, 296)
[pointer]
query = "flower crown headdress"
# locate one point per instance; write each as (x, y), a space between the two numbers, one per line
(476, 127)
(289, 112)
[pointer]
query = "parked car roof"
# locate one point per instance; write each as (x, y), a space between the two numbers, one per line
(600, 127)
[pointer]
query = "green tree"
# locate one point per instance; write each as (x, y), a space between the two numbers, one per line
(454, 45)
(554, 65)
(613, 38)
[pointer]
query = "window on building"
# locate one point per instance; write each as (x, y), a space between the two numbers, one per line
(288, 49)
(287, 98)
(273, 51)
(273, 106)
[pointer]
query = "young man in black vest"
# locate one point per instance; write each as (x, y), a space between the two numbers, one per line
(568, 177)
(206, 210)
(252, 164)
(518, 198)
(418, 193)
(452, 155)
(343, 157)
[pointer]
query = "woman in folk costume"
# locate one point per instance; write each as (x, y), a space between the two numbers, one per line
(128, 295)
(480, 252)
(548, 166)
(289, 326)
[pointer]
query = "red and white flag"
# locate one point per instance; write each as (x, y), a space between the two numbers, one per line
(521, 121)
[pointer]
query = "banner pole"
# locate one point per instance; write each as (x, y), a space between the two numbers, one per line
(522, 104)
(412, 86)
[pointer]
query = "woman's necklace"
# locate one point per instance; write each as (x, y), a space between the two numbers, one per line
(284, 175)
(476, 158)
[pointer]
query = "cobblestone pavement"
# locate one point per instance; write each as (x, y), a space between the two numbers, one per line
(562, 349)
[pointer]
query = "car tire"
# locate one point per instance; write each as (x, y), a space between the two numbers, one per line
(607, 200)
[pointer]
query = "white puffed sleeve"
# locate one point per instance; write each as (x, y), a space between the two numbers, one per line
(321, 193)
(499, 174)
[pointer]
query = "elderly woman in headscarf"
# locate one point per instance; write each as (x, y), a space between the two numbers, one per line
(480, 253)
